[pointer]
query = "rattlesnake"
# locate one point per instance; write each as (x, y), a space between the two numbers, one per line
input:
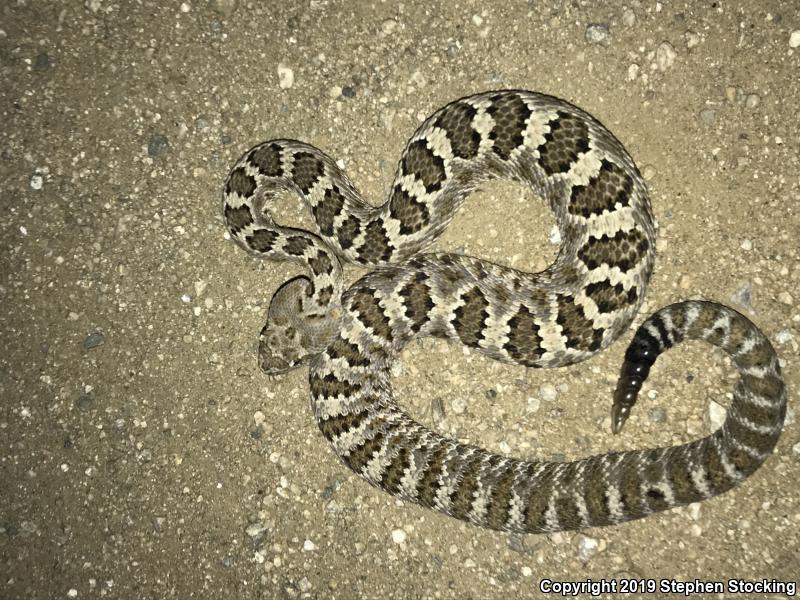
(565, 314)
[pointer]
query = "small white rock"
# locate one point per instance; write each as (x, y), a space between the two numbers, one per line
(598, 33)
(692, 39)
(746, 245)
(785, 298)
(37, 181)
(587, 547)
(259, 417)
(665, 56)
(526, 571)
(388, 26)
(398, 536)
(458, 406)
(555, 235)
(285, 76)
(794, 39)
(716, 415)
(628, 17)
(72, 593)
(694, 510)
(477, 20)
(548, 392)
(309, 546)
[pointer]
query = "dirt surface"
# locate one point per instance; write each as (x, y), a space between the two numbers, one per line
(142, 452)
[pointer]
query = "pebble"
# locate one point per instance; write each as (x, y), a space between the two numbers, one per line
(796, 449)
(37, 181)
(628, 17)
(224, 7)
(587, 547)
(744, 297)
(708, 116)
(548, 392)
(309, 546)
(458, 405)
(785, 298)
(285, 77)
(694, 510)
(85, 401)
(692, 39)
(533, 404)
(746, 245)
(752, 100)
(388, 26)
(555, 235)
(657, 415)
(398, 536)
(93, 340)
(72, 593)
(157, 145)
(665, 56)
(41, 62)
(716, 415)
(784, 336)
(437, 409)
(633, 71)
(794, 39)
(598, 33)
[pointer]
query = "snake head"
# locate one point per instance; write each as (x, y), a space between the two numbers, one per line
(295, 330)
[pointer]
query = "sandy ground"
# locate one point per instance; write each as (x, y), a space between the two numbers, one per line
(144, 455)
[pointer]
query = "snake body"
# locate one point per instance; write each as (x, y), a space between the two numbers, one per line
(562, 315)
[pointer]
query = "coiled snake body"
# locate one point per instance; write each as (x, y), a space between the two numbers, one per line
(565, 314)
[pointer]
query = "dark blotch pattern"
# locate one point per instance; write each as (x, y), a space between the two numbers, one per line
(296, 245)
(623, 250)
(567, 139)
(470, 318)
(237, 218)
(611, 186)
(307, 170)
(610, 298)
(456, 120)
(267, 158)
(331, 387)
(376, 248)
(348, 231)
(524, 343)
(321, 264)
(334, 426)
(420, 161)
(326, 211)
(370, 313)
(412, 214)
(262, 240)
(392, 478)
(464, 495)
(241, 183)
(428, 484)
(341, 348)
(576, 327)
(416, 295)
(510, 115)
(500, 498)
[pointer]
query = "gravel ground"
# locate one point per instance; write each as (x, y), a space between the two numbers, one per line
(144, 455)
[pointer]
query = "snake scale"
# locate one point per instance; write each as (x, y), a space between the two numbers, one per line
(562, 315)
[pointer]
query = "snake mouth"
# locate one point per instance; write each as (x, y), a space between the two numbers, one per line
(274, 366)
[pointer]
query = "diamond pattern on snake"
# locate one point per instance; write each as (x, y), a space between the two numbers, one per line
(567, 313)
